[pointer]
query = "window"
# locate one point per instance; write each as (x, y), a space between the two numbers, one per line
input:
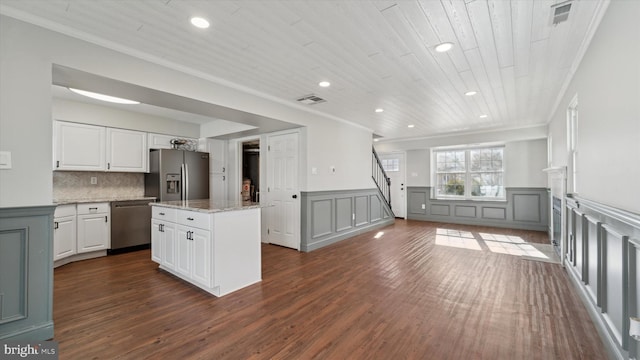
(474, 173)
(390, 164)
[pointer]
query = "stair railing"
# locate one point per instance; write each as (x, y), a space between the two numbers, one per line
(380, 177)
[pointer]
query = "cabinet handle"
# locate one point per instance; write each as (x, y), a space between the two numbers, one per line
(57, 164)
(108, 166)
(190, 219)
(160, 228)
(93, 208)
(162, 214)
(106, 219)
(55, 225)
(223, 169)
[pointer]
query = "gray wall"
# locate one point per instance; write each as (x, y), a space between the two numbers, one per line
(332, 216)
(26, 273)
(524, 208)
(602, 258)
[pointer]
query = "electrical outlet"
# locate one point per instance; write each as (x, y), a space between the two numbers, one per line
(424, 206)
(94, 180)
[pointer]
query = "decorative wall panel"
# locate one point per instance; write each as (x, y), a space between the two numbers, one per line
(523, 208)
(331, 216)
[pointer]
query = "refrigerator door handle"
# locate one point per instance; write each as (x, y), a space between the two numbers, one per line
(183, 178)
(186, 181)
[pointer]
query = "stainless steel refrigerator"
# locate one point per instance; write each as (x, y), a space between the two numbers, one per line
(177, 175)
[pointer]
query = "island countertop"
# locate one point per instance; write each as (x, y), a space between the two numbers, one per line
(209, 205)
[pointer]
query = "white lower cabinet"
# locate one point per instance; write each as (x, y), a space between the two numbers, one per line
(218, 252)
(194, 254)
(94, 227)
(64, 232)
(80, 229)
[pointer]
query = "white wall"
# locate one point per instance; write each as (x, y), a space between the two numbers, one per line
(74, 111)
(607, 83)
(28, 53)
(525, 155)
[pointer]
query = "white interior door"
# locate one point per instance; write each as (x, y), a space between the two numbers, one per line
(394, 164)
(282, 189)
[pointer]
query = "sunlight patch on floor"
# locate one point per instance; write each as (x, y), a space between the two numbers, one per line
(457, 239)
(511, 245)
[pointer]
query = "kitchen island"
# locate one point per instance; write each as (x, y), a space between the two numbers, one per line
(213, 245)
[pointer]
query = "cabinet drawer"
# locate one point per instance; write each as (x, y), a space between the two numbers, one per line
(93, 208)
(163, 213)
(194, 219)
(65, 210)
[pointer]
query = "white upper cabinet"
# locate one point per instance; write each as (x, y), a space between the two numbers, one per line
(82, 147)
(126, 150)
(78, 147)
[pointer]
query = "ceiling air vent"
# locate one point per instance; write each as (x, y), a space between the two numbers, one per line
(560, 12)
(310, 100)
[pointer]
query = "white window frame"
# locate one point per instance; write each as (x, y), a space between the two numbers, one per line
(468, 179)
(395, 162)
(572, 145)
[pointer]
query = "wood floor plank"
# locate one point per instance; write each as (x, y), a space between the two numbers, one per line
(402, 295)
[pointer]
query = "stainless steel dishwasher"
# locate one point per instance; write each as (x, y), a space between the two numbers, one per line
(130, 225)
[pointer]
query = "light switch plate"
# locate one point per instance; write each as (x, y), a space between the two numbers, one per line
(5, 160)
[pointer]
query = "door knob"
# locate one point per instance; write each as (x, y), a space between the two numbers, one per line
(294, 196)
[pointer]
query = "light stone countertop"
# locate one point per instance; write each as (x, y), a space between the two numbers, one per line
(95, 200)
(209, 206)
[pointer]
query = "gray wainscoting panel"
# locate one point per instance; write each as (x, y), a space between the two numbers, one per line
(344, 214)
(375, 210)
(494, 213)
(321, 211)
(593, 251)
(580, 246)
(26, 265)
(362, 210)
(331, 216)
(527, 207)
(417, 202)
(439, 209)
(523, 208)
(13, 289)
(604, 267)
(615, 282)
(465, 211)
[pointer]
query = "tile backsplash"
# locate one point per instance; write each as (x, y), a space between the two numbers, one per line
(76, 185)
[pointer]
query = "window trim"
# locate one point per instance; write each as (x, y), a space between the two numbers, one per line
(467, 174)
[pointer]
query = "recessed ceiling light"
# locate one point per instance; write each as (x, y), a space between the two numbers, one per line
(471, 93)
(379, 110)
(483, 116)
(324, 84)
(444, 47)
(103, 97)
(411, 126)
(199, 22)
(376, 140)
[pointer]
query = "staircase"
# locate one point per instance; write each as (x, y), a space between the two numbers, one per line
(380, 178)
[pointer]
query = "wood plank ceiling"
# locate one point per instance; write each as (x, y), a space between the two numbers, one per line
(376, 54)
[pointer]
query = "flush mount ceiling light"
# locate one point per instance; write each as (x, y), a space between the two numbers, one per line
(379, 110)
(444, 47)
(483, 116)
(103, 97)
(199, 22)
(470, 93)
(411, 126)
(324, 84)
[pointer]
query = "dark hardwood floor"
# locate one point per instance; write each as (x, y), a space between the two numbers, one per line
(397, 296)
